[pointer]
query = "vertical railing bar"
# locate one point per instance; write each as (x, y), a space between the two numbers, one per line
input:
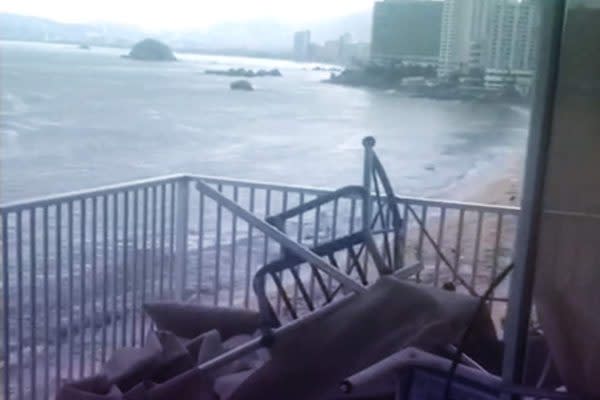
(351, 228)
(459, 242)
(333, 237)
(46, 306)
(200, 244)
(153, 251)
(335, 217)
(172, 239)
(5, 306)
(20, 311)
(32, 299)
(315, 243)
(144, 261)
(299, 239)
(217, 275)
(284, 206)
(58, 228)
(163, 200)
(267, 212)
(440, 242)
(125, 266)
(496, 253)
(249, 252)
(94, 283)
(368, 210)
(403, 239)
(115, 267)
(424, 212)
(266, 239)
(480, 216)
(70, 261)
(82, 286)
(104, 276)
(284, 201)
(233, 248)
(352, 215)
(179, 274)
(134, 278)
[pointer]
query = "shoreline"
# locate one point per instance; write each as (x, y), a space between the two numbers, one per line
(503, 189)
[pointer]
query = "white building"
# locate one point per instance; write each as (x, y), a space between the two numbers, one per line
(513, 31)
(302, 45)
(463, 35)
(499, 36)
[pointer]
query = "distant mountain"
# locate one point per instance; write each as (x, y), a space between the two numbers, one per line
(271, 35)
(20, 27)
(358, 25)
(257, 35)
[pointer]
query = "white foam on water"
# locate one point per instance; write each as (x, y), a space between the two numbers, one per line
(9, 132)
(12, 105)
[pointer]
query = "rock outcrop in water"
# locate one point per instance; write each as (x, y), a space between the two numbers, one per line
(151, 50)
(241, 85)
(246, 73)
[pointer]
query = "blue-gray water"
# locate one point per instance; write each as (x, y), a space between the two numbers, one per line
(73, 119)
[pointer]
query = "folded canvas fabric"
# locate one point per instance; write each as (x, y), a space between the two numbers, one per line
(311, 359)
(306, 362)
(97, 387)
(163, 369)
(189, 385)
(188, 320)
(128, 366)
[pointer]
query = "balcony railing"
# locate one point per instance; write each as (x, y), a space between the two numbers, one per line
(76, 268)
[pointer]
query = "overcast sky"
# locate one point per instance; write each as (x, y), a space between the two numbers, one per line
(183, 14)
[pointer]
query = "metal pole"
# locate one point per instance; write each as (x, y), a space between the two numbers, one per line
(368, 143)
(521, 288)
(181, 230)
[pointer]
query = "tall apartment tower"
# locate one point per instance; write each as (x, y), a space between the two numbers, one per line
(302, 45)
(406, 31)
(513, 30)
(463, 35)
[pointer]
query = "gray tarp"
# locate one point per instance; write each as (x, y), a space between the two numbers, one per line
(308, 361)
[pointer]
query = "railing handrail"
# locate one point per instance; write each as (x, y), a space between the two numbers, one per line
(41, 201)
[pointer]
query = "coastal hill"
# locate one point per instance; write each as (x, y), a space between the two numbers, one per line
(151, 50)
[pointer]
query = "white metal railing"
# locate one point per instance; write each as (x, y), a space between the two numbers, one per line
(77, 267)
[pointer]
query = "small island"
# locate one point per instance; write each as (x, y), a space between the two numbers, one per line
(151, 50)
(241, 85)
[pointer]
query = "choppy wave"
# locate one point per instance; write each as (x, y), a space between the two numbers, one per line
(9, 132)
(13, 105)
(521, 110)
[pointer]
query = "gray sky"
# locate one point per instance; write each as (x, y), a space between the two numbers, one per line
(183, 14)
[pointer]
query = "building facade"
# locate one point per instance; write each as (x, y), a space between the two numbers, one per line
(302, 45)
(463, 35)
(498, 37)
(406, 31)
(512, 37)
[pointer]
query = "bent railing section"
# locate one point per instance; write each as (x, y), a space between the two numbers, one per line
(76, 268)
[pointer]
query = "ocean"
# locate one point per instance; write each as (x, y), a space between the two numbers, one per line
(72, 119)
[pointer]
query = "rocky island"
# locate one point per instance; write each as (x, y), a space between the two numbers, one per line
(151, 50)
(241, 85)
